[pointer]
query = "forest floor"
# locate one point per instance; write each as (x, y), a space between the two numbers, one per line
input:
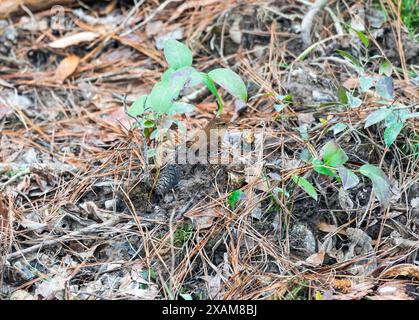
(78, 219)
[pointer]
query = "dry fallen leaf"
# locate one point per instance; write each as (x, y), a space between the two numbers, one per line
(66, 68)
(394, 290)
(21, 295)
(204, 219)
(405, 269)
(152, 28)
(5, 111)
(330, 228)
(351, 83)
(73, 40)
(214, 286)
(316, 259)
(306, 118)
(6, 84)
(52, 288)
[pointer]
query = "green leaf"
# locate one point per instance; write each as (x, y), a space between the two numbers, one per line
(377, 116)
(305, 185)
(177, 54)
(286, 98)
(343, 98)
(161, 97)
(229, 81)
(338, 128)
(349, 57)
(186, 296)
(397, 116)
(179, 79)
(385, 68)
(303, 129)
(180, 107)
(306, 156)
(349, 179)
(147, 123)
(407, 115)
(194, 79)
(353, 102)
(365, 83)
(234, 197)
(362, 37)
(280, 107)
(320, 168)
(138, 107)
(282, 191)
(213, 89)
(151, 152)
(167, 74)
(380, 182)
(333, 155)
(391, 133)
(385, 87)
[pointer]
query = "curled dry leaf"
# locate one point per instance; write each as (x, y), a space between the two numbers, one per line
(342, 284)
(52, 288)
(7, 7)
(214, 286)
(406, 270)
(204, 219)
(330, 228)
(325, 227)
(66, 68)
(73, 40)
(306, 118)
(316, 259)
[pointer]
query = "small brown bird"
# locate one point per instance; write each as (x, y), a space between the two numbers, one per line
(171, 174)
(215, 123)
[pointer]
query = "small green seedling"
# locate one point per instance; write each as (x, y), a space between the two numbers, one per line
(393, 114)
(331, 163)
(155, 112)
(394, 118)
(183, 234)
(234, 198)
